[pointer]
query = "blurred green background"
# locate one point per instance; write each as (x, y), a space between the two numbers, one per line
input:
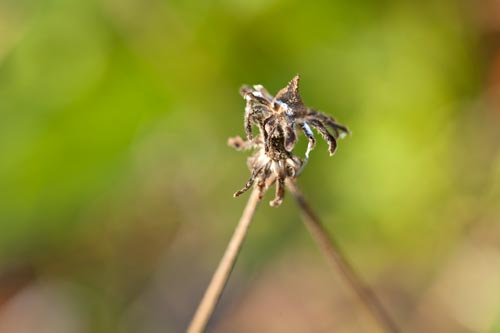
(116, 181)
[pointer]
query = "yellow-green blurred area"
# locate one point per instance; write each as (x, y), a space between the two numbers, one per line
(116, 181)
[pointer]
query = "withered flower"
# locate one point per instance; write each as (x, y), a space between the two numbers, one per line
(278, 120)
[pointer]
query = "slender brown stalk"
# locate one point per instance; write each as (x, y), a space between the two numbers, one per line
(221, 275)
(338, 260)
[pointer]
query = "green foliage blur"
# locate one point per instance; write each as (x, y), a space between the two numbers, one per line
(116, 180)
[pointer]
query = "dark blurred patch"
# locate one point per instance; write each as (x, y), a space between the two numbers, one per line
(13, 280)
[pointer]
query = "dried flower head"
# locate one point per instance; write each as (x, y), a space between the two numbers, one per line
(278, 119)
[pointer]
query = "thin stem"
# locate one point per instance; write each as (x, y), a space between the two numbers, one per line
(221, 275)
(338, 260)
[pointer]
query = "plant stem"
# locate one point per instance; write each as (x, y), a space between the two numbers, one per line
(221, 275)
(338, 260)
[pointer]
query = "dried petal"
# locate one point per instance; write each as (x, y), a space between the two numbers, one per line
(290, 137)
(290, 94)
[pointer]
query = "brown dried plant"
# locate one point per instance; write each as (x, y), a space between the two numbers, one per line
(273, 162)
(277, 119)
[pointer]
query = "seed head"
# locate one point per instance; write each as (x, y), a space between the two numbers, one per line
(278, 119)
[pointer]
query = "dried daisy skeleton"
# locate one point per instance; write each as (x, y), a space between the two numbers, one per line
(278, 120)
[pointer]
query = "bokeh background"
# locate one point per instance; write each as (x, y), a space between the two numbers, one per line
(116, 181)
